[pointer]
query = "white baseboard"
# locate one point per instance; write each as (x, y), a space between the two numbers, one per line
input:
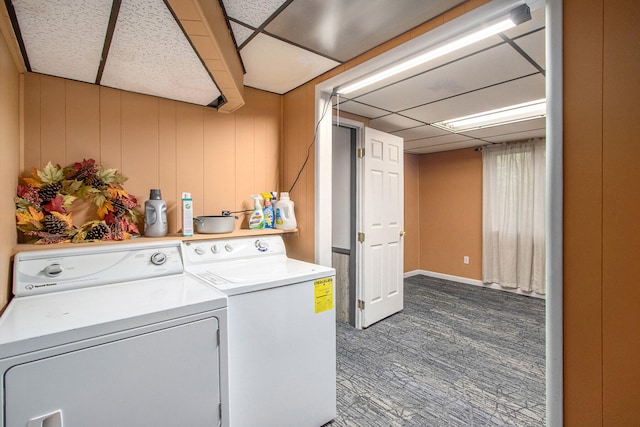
(468, 281)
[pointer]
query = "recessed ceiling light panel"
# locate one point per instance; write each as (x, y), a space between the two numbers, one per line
(63, 38)
(501, 116)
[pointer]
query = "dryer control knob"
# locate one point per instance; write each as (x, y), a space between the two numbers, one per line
(262, 245)
(53, 270)
(228, 247)
(215, 249)
(158, 258)
(199, 250)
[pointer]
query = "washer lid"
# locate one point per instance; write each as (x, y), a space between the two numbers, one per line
(248, 275)
(46, 320)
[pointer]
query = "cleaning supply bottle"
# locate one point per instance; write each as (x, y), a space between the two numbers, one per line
(155, 215)
(256, 220)
(269, 213)
(285, 215)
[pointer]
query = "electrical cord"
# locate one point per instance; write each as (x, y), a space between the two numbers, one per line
(315, 135)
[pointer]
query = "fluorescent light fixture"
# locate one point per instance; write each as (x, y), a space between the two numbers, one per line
(501, 116)
(518, 15)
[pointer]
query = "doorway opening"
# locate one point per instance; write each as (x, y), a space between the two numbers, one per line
(553, 262)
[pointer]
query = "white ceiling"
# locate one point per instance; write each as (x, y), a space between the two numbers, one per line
(284, 44)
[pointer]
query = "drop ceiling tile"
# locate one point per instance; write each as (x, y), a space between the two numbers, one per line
(64, 38)
(501, 95)
(420, 132)
(533, 45)
(362, 109)
(240, 32)
(444, 143)
(279, 67)
(393, 123)
(486, 68)
(344, 29)
(252, 12)
(150, 54)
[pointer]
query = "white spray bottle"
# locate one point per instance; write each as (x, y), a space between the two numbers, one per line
(256, 220)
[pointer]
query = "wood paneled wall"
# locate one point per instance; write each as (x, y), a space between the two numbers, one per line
(451, 212)
(9, 163)
(601, 211)
(221, 159)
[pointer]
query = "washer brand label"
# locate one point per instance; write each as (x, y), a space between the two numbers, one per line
(323, 294)
(31, 287)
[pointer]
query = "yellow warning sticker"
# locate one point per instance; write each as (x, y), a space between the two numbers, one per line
(323, 293)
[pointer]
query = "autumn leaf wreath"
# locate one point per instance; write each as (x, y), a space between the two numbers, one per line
(45, 198)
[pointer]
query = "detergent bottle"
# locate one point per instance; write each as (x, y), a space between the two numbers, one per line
(155, 215)
(269, 213)
(285, 215)
(256, 220)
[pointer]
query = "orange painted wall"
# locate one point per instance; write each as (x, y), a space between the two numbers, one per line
(412, 213)
(451, 212)
(9, 162)
(601, 212)
(221, 159)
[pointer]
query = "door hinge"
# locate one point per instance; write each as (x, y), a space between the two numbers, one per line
(361, 304)
(218, 336)
(360, 237)
(220, 410)
(360, 153)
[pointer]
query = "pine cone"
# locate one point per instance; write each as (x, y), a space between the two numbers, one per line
(54, 225)
(119, 208)
(49, 191)
(98, 232)
(95, 182)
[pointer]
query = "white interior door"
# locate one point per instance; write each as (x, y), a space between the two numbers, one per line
(381, 228)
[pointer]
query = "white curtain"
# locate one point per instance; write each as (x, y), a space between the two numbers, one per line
(513, 243)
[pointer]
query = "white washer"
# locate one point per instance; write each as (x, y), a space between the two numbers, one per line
(282, 342)
(112, 335)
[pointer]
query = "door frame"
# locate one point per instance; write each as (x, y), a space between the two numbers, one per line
(554, 194)
(354, 285)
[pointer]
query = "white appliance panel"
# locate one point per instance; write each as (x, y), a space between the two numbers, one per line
(147, 380)
(56, 270)
(47, 320)
(282, 359)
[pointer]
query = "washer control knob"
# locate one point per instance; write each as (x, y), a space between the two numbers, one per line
(199, 250)
(158, 258)
(53, 270)
(228, 247)
(262, 245)
(215, 248)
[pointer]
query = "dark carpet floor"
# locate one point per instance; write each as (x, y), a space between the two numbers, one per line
(457, 355)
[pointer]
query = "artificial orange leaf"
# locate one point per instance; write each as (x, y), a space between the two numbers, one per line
(30, 217)
(33, 182)
(104, 209)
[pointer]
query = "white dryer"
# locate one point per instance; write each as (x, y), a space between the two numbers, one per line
(282, 330)
(112, 335)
